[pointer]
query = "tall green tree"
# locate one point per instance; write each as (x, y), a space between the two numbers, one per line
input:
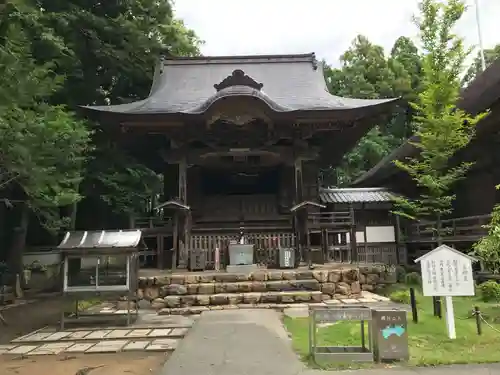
(490, 55)
(107, 52)
(43, 147)
(441, 127)
(366, 72)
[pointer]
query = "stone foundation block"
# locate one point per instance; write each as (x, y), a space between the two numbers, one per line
(252, 298)
(172, 301)
(311, 284)
(219, 299)
(289, 275)
(206, 288)
(259, 276)
(321, 276)
(259, 286)
(278, 286)
(334, 276)
(328, 288)
(203, 300)
(270, 297)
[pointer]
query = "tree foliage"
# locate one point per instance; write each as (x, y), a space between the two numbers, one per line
(43, 147)
(442, 128)
(89, 52)
(487, 249)
(367, 72)
(490, 55)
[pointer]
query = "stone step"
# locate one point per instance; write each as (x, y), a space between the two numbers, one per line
(221, 299)
(333, 275)
(247, 287)
(365, 299)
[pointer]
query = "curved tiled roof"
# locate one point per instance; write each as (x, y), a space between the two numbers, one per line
(284, 83)
(355, 195)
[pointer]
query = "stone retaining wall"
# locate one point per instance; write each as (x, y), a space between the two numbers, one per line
(266, 286)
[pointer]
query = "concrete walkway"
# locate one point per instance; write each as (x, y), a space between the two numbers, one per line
(235, 342)
(254, 342)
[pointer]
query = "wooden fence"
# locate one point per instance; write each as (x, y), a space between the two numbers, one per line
(462, 229)
(369, 253)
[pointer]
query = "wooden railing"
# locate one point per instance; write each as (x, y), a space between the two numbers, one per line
(331, 219)
(370, 253)
(151, 222)
(462, 229)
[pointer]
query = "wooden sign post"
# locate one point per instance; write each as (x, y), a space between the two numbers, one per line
(447, 272)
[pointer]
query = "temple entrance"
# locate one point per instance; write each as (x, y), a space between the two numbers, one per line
(244, 182)
(239, 196)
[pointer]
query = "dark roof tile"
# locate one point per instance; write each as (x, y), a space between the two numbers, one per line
(288, 83)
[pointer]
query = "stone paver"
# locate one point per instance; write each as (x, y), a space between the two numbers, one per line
(108, 346)
(22, 349)
(6, 348)
(367, 300)
(178, 332)
(78, 335)
(38, 336)
(56, 336)
(51, 349)
(332, 302)
(118, 333)
(235, 342)
(136, 345)
(349, 301)
(160, 332)
(79, 347)
(162, 345)
(139, 333)
(96, 335)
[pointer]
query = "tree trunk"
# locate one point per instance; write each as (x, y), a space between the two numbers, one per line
(439, 230)
(19, 241)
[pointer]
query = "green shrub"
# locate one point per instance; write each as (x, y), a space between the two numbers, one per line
(400, 274)
(489, 291)
(400, 296)
(413, 279)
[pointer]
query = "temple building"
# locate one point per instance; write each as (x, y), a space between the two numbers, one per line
(241, 142)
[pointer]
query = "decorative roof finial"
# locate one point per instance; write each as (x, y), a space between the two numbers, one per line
(238, 78)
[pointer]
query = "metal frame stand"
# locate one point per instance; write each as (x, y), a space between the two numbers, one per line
(343, 354)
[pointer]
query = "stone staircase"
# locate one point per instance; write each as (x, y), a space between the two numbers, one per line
(192, 293)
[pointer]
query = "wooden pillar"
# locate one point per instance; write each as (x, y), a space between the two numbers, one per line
(170, 192)
(175, 233)
(354, 248)
(184, 229)
(364, 222)
(301, 213)
(397, 235)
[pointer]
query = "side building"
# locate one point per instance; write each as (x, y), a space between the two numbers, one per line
(476, 193)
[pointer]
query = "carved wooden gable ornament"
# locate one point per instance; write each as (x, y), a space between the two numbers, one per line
(238, 78)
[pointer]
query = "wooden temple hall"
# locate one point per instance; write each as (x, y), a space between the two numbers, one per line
(240, 141)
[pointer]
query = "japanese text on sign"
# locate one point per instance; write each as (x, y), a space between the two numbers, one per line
(447, 273)
(334, 315)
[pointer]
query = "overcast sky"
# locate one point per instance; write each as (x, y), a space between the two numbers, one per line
(327, 27)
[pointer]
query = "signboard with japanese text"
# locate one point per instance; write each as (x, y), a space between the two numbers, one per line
(446, 272)
(390, 331)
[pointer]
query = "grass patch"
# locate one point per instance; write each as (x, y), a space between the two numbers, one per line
(428, 340)
(83, 305)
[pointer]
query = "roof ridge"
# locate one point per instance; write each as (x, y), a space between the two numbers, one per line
(356, 189)
(248, 59)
